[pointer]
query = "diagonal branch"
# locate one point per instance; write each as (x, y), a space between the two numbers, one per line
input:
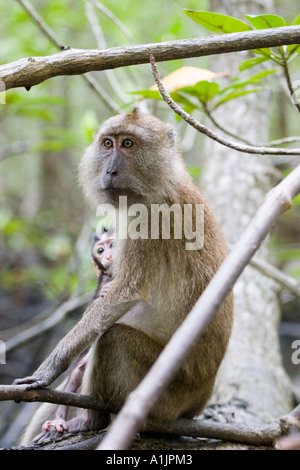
(208, 132)
(131, 418)
(34, 70)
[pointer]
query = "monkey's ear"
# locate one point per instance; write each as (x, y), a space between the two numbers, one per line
(172, 134)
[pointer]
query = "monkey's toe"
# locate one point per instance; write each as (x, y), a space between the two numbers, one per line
(50, 435)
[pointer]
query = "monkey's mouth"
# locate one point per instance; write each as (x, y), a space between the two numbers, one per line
(120, 191)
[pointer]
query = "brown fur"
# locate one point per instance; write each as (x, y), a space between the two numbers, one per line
(156, 282)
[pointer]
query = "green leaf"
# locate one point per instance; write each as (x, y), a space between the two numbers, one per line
(218, 23)
(152, 94)
(194, 171)
(203, 90)
(296, 20)
(265, 52)
(253, 80)
(237, 94)
(265, 21)
(247, 64)
(292, 48)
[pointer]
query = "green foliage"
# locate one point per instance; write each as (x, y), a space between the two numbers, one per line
(210, 93)
(218, 23)
(225, 24)
(265, 21)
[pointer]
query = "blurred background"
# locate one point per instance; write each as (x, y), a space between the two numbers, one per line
(45, 226)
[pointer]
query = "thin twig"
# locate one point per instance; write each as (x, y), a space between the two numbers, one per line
(226, 131)
(114, 19)
(45, 325)
(272, 143)
(208, 132)
(14, 149)
(284, 140)
(113, 107)
(138, 404)
(101, 44)
(19, 393)
(279, 276)
(289, 83)
(41, 23)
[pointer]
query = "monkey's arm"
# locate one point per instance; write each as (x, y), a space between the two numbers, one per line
(99, 317)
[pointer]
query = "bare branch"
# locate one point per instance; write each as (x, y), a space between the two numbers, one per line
(34, 70)
(55, 40)
(19, 393)
(283, 279)
(101, 43)
(45, 325)
(289, 83)
(259, 435)
(221, 128)
(137, 406)
(208, 132)
(284, 140)
(114, 19)
(14, 149)
(234, 432)
(41, 23)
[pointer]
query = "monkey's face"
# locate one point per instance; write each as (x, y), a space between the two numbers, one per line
(103, 252)
(133, 155)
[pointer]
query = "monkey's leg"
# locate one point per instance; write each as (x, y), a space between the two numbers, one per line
(125, 356)
(73, 385)
(121, 358)
(44, 411)
(84, 420)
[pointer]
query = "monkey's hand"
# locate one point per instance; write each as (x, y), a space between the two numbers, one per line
(105, 289)
(32, 382)
(49, 370)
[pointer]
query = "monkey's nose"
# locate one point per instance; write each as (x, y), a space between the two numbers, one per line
(112, 172)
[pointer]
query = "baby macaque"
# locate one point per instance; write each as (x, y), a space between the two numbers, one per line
(102, 253)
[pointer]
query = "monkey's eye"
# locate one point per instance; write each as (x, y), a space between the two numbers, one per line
(108, 143)
(112, 245)
(100, 251)
(127, 143)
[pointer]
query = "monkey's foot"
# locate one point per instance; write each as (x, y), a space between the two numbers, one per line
(59, 424)
(52, 433)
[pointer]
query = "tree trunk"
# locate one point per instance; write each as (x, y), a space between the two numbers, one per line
(252, 386)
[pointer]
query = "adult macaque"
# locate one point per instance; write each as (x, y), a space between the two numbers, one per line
(102, 253)
(156, 281)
